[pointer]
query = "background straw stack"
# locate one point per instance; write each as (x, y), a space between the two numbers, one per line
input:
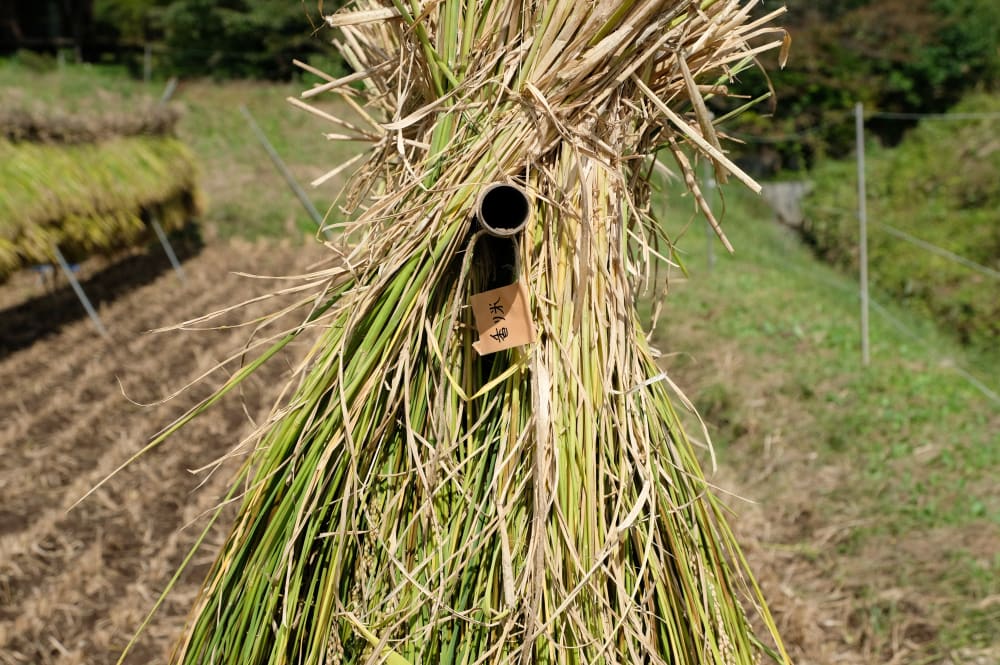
(89, 184)
(413, 502)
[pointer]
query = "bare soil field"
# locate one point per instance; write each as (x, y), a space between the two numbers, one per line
(75, 584)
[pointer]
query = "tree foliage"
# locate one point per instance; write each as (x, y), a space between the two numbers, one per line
(898, 55)
(220, 38)
(239, 38)
(129, 21)
(892, 55)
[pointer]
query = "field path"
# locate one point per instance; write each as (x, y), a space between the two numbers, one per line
(74, 585)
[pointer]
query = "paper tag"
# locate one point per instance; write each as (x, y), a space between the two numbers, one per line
(502, 318)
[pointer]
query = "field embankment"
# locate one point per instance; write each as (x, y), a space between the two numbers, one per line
(875, 525)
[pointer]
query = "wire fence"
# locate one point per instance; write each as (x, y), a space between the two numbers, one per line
(939, 251)
(867, 304)
(889, 115)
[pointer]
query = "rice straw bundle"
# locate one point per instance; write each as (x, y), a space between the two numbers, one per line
(90, 198)
(413, 502)
(36, 123)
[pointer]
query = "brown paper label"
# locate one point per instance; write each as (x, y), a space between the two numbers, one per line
(502, 318)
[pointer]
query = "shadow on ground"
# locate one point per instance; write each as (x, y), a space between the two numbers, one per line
(24, 323)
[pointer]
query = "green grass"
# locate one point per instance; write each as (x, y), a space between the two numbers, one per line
(768, 344)
(245, 194)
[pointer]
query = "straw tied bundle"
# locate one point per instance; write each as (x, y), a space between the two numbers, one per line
(416, 502)
(89, 197)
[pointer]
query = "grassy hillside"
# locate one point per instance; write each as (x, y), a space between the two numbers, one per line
(941, 185)
(877, 530)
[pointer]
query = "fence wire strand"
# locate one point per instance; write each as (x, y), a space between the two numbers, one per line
(939, 251)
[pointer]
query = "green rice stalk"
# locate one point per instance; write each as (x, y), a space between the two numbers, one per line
(412, 502)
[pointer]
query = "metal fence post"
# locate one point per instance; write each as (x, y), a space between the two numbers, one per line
(859, 124)
(286, 174)
(167, 247)
(91, 312)
(708, 185)
(168, 92)
(147, 63)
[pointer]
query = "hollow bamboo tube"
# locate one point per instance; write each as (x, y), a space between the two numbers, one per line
(503, 210)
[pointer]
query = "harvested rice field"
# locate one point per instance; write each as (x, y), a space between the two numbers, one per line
(876, 526)
(75, 585)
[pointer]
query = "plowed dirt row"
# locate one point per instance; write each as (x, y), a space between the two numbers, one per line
(75, 584)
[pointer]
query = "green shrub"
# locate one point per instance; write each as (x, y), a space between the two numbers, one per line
(893, 55)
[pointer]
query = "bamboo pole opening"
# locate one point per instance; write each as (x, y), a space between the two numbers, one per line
(503, 210)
